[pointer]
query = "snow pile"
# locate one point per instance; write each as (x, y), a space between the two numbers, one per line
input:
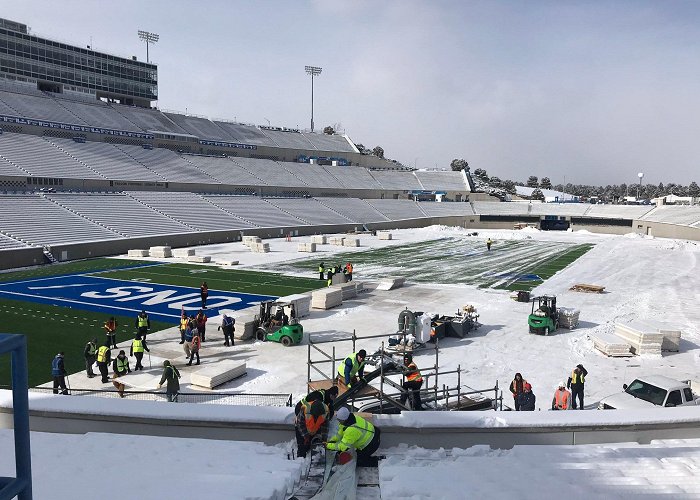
(535, 472)
(115, 466)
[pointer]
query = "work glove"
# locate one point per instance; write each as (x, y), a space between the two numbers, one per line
(160, 385)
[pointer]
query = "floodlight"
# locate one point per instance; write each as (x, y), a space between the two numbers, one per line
(313, 71)
(149, 38)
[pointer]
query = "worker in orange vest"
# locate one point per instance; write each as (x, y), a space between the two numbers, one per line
(348, 271)
(562, 398)
(413, 383)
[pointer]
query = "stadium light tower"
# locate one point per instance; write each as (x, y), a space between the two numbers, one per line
(641, 176)
(313, 71)
(149, 38)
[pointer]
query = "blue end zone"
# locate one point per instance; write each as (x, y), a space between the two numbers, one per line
(120, 297)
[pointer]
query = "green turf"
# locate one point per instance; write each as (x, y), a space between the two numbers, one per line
(456, 260)
(52, 328)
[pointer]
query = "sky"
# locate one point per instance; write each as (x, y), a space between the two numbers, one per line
(580, 92)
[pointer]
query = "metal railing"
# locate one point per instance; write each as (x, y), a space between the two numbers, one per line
(212, 398)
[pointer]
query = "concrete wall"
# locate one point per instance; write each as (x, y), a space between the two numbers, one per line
(21, 257)
(661, 230)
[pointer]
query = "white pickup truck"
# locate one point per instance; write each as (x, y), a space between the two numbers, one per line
(655, 390)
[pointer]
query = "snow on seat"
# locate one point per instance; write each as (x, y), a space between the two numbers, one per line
(120, 213)
(575, 209)
(446, 209)
(499, 208)
(441, 181)
(679, 214)
(617, 211)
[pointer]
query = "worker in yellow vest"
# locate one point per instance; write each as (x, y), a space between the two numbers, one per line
(120, 366)
(351, 370)
(104, 356)
(354, 432)
(576, 383)
(184, 321)
(138, 346)
(413, 383)
(143, 323)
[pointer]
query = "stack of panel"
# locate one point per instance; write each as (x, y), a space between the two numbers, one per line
(218, 373)
(610, 345)
(326, 298)
(568, 317)
(642, 338)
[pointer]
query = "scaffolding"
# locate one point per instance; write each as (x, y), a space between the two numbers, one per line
(389, 393)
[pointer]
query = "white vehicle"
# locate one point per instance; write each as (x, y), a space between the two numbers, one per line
(655, 390)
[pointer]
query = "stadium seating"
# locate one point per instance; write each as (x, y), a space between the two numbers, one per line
(40, 108)
(497, 208)
(9, 168)
(325, 142)
(98, 114)
(271, 172)
(353, 177)
(617, 211)
(255, 210)
(201, 127)
(36, 220)
(311, 175)
(446, 209)
(398, 209)
(120, 213)
(190, 209)
(441, 181)
(308, 210)
(354, 209)
(246, 134)
(683, 215)
(224, 170)
(148, 119)
(397, 180)
(6, 243)
(40, 158)
(291, 140)
(106, 159)
(166, 164)
(574, 209)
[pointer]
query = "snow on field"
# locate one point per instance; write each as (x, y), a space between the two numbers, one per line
(644, 277)
(115, 466)
(668, 468)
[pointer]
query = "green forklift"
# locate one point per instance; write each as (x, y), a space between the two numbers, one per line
(277, 322)
(545, 318)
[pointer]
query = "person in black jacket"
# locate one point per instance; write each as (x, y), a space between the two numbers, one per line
(575, 383)
(526, 399)
(120, 366)
(58, 372)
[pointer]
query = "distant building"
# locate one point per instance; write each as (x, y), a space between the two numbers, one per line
(55, 67)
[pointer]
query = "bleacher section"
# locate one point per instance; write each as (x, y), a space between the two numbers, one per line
(308, 210)
(434, 209)
(617, 211)
(8, 168)
(166, 164)
(148, 119)
(246, 134)
(108, 160)
(190, 209)
(36, 220)
(255, 210)
(119, 213)
(6, 243)
(311, 175)
(325, 142)
(224, 170)
(98, 114)
(40, 108)
(573, 209)
(354, 209)
(353, 177)
(498, 208)
(291, 140)
(396, 180)
(441, 181)
(398, 209)
(269, 171)
(40, 158)
(201, 127)
(683, 215)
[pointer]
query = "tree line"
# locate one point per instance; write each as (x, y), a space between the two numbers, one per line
(610, 192)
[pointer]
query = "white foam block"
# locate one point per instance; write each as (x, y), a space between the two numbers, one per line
(199, 258)
(138, 253)
(183, 252)
(218, 373)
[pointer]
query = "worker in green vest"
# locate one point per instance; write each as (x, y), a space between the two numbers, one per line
(104, 356)
(138, 346)
(352, 369)
(143, 323)
(354, 432)
(321, 270)
(90, 353)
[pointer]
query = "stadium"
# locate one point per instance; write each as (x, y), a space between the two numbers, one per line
(95, 182)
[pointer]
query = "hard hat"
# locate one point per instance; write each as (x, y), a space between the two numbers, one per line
(562, 384)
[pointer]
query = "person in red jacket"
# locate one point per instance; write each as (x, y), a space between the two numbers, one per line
(201, 324)
(194, 350)
(516, 389)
